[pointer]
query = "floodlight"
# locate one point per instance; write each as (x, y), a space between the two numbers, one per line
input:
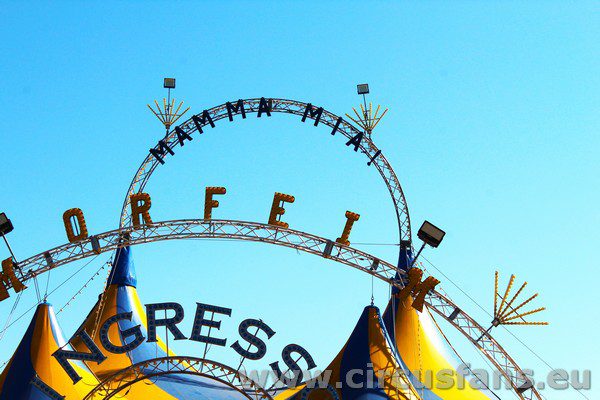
(363, 88)
(169, 83)
(5, 225)
(431, 234)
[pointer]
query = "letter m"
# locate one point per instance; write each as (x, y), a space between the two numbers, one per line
(200, 120)
(237, 108)
(63, 356)
(314, 114)
(8, 279)
(417, 288)
(160, 150)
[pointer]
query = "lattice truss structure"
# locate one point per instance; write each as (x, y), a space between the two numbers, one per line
(317, 114)
(250, 231)
(301, 241)
(149, 369)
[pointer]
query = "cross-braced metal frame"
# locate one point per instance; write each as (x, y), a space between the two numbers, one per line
(257, 232)
(367, 147)
(157, 367)
(249, 231)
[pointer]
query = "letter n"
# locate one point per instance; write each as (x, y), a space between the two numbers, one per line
(63, 356)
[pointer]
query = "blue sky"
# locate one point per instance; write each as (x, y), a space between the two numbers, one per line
(492, 130)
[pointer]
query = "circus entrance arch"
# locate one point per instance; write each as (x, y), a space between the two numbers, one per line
(136, 227)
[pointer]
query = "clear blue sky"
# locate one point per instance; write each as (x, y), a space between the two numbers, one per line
(492, 129)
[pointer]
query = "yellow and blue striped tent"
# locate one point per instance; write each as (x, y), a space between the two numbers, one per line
(32, 368)
(368, 354)
(120, 296)
(421, 348)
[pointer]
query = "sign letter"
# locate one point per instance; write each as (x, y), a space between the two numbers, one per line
(277, 209)
(293, 365)
(7, 276)
(63, 356)
(133, 331)
(238, 108)
(253, 339)
(169, 323)
(417, 288)
(316, 115)
(140, 207)
(200, 321)
(265, 107)
(161, 149)
(80, 224)
(209, 203)
(356, 140)
(182, 136)
(350, 219)
(200, 121)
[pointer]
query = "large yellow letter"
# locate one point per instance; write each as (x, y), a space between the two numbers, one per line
(209, 203)
(7, 276)
(80, 221)
(277, 209)
(140, 207)
(417, 288)
(350, 219)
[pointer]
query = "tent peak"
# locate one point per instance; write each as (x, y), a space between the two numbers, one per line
(123, 269)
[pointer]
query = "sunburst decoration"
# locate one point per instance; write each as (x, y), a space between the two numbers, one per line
(167, 115)
(367, 119)
(505, 313)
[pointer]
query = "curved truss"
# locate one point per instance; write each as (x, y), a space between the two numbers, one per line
(220, 112)
(257, 232)
(156, 367)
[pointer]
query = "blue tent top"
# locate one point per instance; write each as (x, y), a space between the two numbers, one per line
(123, 270)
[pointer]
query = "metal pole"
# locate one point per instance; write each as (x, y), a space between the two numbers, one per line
(16, 264)
(485, 333)
(417, 256)
(168, 108)
(12, 254)
(9, 248)
(167, 338)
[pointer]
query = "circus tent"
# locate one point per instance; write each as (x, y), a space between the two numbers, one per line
(355, 373)
(398, 347)
(32, 368)
(421, 349)
(120, 296)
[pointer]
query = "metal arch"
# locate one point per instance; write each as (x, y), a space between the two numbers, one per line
(133, 374)
(208, 229)
(257, 232)
(294, 107)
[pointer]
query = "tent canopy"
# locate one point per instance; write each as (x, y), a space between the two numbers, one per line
(354, 373)
(420, 347)
(120, 296)
(33, 361)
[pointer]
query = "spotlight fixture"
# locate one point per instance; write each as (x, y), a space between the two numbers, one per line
(6, 225)
(169, 83)
(430, 235)
(362, 88)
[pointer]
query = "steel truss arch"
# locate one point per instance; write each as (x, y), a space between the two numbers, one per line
(162, 366)
(367, 147)
(257, 232)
